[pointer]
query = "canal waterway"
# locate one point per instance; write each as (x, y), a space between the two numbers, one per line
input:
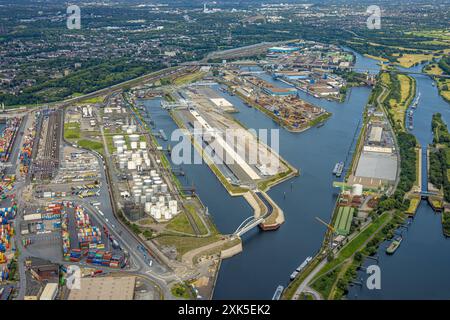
(419, 267)
(270, 257)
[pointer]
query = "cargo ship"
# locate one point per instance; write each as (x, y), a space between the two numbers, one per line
(300, 268)
(394, 245)
(162, 134)
(410, 119)
(338, 168)
(278, 292)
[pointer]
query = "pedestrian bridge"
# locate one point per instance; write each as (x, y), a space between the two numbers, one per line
(251, 222)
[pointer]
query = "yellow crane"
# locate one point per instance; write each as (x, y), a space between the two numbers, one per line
(330, 227)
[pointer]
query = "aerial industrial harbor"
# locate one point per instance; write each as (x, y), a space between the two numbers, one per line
(281, 166)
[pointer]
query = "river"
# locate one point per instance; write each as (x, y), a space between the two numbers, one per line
(269, 258)
(419, 268)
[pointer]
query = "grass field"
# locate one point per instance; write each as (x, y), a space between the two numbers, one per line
(91, 145)
(444, 88)
(407, 90)
(414, 203)
(408, 60)
(72, 131)
(198, 221)
(92, 100)
(434, 35)
(189, 78)
(187, 243)
(433, 69)
(181, 224)
(376, 58)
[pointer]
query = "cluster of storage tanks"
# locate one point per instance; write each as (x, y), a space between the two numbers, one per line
(135, 159)
(87, 112)
(129, 128)
(153, 194)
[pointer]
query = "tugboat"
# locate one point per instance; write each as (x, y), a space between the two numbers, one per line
(394, 245)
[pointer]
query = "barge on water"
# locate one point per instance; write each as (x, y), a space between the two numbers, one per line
(338, 169)
(394, 245)
(300, 268)
(162, 134)
(416, 102)
(278, 292)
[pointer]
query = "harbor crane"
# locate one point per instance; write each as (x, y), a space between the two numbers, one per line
(329, 227)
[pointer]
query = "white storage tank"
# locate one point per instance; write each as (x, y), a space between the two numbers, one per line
(119, 143)
(167, 214)
(134, 138)
(357, 190)
(156, 213)
(131, 165)
(117, 138)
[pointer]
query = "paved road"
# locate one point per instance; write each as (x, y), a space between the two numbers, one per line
(304, 285)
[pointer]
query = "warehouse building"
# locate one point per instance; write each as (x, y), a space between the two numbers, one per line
(104, 288)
